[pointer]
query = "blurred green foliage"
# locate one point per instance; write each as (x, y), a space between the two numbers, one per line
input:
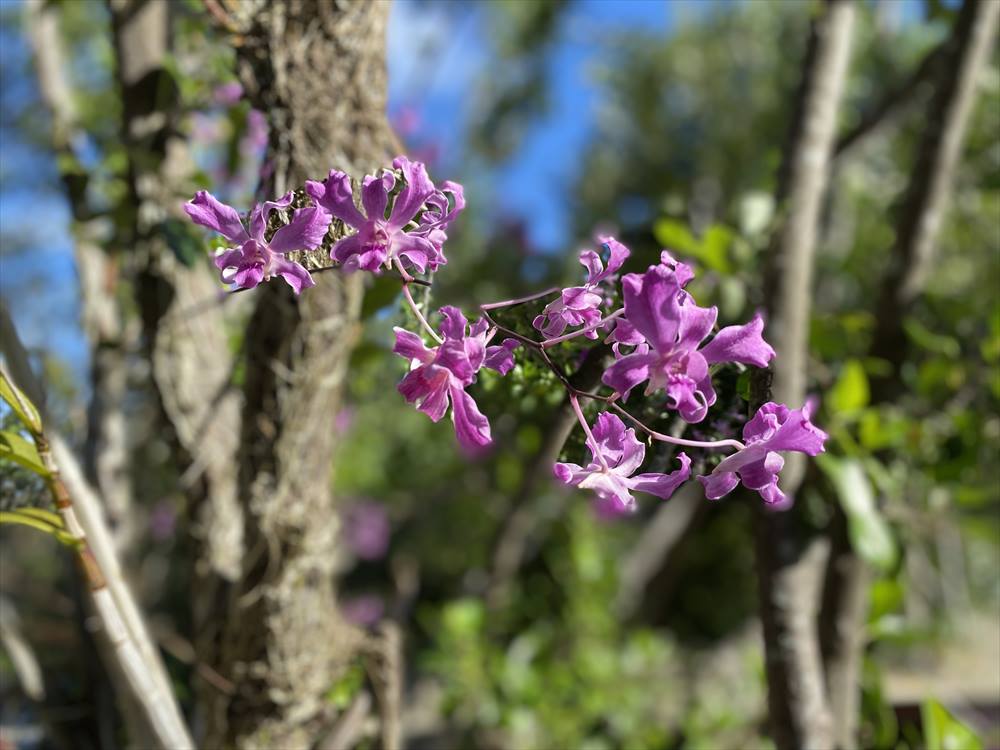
(687, 143)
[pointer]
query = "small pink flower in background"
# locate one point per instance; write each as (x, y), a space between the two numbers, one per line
(344, 420)
(773, 428)
(227, 93)
(162, 521)
(257, 259)
(623, 454)
(364, 610)
(367, 530)
(406, 120)
(256, 136)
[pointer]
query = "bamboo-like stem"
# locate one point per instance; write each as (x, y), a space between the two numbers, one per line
(122, 624)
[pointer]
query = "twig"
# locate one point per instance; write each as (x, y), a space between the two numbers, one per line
(896, 101)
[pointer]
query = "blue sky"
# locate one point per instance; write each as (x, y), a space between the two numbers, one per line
(442, 88)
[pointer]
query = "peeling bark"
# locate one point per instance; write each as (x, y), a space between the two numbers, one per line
(790, 559)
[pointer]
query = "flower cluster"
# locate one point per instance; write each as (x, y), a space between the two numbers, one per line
(615, 455)
(581, 305)
(440, 375)
(660, 336)
(256, 259)
(403, 225)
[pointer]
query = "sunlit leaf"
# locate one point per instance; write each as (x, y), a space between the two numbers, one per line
(675, 235)
(850, 392)
(923, 337)
(21, 404)
(21, 451)
(870, 534)
(942, 731)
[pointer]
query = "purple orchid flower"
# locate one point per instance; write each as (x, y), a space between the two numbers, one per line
(773, 428)
(439, 212)
(440, 375)
(580, 305)
(367, 530)
(622, 452)
(673, 327)
(381, 239)
(258, 259)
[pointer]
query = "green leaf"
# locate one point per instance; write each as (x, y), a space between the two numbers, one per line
(933, 342)
(870, 534)
(850, 393)
(21, 451)
(21, 404)
(674, 235)
(743, 385)
(22, 517)
(714, 248)
(942, 731)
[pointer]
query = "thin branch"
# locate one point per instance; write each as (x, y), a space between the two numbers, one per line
(895, 103)
(675, 440)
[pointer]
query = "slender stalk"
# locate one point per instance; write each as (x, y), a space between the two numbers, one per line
(586, 429)
(510, 332)
(586, 329)
(419, 315)
(519, 300)
(678, 441)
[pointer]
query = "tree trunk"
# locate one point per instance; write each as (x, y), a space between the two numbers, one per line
(845, 598)
(790, 561)
(318, 71)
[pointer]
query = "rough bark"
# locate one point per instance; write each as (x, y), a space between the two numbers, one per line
(845, 597)
(791, 561)
(318, 71)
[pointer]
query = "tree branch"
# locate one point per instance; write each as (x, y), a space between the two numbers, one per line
(957, 69)
(896, 102)
(789, 560)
